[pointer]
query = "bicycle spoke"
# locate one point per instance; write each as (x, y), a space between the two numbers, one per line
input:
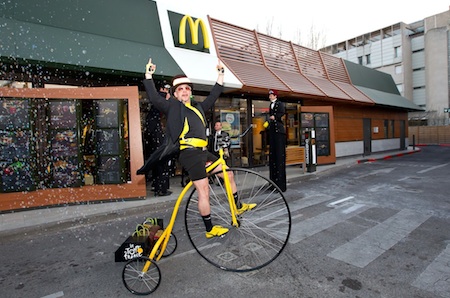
(263, 231)
(139, 282)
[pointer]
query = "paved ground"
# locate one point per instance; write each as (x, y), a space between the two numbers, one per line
(14, 222)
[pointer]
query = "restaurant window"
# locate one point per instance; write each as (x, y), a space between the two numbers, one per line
(260, 138)
(59, 143)
(232, 112)
(292, 125)
(17, 156)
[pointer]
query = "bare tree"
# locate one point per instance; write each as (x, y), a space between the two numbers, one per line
(280, 32)
(269, 27)
(297, 37)
(316, 39)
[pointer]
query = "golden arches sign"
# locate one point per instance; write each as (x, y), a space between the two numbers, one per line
(193, 27)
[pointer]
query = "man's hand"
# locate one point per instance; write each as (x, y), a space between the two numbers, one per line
(150, 69)
(220, 67)
(221, 70)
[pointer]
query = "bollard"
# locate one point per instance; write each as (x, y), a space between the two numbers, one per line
(310, 150)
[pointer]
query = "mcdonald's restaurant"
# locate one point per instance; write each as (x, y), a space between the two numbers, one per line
(72, 102)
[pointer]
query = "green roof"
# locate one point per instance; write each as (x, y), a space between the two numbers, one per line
(112, 35)
(370, 78)
(379, 86)
(389, 99)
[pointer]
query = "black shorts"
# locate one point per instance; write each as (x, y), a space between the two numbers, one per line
(194, 161)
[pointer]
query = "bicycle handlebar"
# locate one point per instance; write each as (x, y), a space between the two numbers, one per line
(242, 134)
(246, 131)
(226, 142)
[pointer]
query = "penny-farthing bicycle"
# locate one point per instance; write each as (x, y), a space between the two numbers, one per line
(256, 237)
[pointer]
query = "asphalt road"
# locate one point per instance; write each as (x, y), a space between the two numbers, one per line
(377, 229)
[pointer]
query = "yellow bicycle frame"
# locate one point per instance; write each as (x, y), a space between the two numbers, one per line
(164, 238)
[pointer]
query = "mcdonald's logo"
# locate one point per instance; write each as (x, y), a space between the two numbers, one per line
(193, 27)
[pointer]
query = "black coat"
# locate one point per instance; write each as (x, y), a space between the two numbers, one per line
(174, 108)
(277, 126)
(277, 149)
(175, 112)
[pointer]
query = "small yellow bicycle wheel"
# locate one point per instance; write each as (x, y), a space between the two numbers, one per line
(138, 281)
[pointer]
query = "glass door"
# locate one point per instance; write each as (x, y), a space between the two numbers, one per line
(292, 125)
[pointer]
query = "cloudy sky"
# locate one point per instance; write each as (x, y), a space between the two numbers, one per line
(334, 20)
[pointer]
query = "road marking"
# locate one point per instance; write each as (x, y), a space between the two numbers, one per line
(353, 208)
(432, 168)
(293, 206)
(314, 225)
(436, 276)
(309, 201)
(55, 295)
(340, 201)
(280, 222)
(380, 171)
(374, 242)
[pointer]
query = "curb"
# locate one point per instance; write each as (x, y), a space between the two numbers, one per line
(388, 156)
(425, 145)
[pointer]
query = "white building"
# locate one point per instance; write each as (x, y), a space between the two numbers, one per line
(416, 55)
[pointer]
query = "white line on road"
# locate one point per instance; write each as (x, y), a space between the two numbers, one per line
(340, 201)
(432, 168)
(309, 201)
(374, 242)
(55, 295)
(376, 172)
(436, 276)
(353, 208)
(321, 222)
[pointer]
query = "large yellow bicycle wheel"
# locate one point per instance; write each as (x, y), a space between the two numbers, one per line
(262, 234)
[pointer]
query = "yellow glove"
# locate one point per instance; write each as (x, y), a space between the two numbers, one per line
(266, 124)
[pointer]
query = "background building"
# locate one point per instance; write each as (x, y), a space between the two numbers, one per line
(417, 57)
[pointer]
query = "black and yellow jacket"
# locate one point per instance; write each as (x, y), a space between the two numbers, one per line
(174, 108)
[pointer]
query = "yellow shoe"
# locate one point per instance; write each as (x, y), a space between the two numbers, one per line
(245, 207)
(216, 231)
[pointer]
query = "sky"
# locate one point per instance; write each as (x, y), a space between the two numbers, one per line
(335, 21)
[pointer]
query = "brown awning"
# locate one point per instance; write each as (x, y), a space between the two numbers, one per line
(261, 62)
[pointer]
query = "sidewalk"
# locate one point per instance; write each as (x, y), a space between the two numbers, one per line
(21, 221)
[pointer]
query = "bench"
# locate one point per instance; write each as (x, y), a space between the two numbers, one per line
(296, 155)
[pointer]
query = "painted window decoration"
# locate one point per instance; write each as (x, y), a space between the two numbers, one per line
(16, 156)
(109, 142)
(64, 168)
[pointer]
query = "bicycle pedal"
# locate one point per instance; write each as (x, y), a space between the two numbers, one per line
(238, 223)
